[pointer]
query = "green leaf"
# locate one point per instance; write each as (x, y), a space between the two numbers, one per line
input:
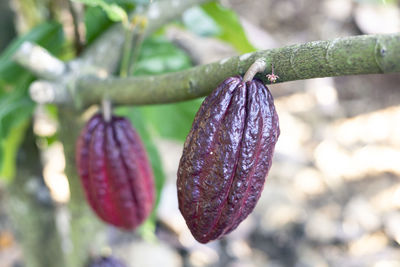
(172, 121)
(9, 148)
(15, 111)
(199, 22)
(42, 34)
(231, 29)
(16, 107)
(15, 104)
(96, 21)
(158, 55)
(113, 10)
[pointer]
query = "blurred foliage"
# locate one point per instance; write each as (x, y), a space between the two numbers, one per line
(156, 56)
(96, 21)
(100, 14)
(200, 23)
(49, 35)
(112, 9)
(377, 1)
(231, 29)
(171, 121)
(15, 105)
(214, 20)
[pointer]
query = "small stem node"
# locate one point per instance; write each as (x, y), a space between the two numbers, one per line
(107, 109)
(258, 66)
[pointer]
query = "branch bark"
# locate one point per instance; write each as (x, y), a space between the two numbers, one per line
(344, 56)
(39, 61)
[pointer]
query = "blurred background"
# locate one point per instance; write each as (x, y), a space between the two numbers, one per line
(332, 197)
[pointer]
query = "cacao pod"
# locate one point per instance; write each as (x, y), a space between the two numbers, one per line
(226, 157)
(105, 262)
(115, 172)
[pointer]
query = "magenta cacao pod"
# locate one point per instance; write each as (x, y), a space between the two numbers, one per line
(226, 157)
(105, 262)
(115, 172)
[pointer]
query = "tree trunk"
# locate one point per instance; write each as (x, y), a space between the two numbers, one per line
(32, 211)
(86, 233)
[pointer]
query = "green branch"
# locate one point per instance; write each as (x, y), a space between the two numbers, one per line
(345, 56)
(354, 55)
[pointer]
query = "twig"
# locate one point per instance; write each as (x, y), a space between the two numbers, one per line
(137, 40)
(126, 52)
(134, 35)
(75, 20)
(106, 109)
(258, 66)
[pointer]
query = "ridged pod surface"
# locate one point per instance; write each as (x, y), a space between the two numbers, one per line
(105, 262)
(115, 172)
(226, 157)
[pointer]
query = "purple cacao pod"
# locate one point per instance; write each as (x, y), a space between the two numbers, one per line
(105, 262)
(226, 157)
(115, 172)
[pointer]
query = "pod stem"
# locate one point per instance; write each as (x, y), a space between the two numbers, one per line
(107, 109)
(258, 66)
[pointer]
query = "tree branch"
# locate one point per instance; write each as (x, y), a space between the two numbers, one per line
(100, 59)
(78, 42)
(345, 56)
(39, 61)
(87, 85)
